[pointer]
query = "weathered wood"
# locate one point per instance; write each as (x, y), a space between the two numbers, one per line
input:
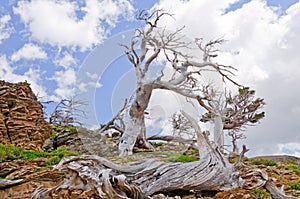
(275, 192)
(144, 178)
(135, 130)
(9, 183)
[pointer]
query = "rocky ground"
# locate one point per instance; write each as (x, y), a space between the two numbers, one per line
(37, 171)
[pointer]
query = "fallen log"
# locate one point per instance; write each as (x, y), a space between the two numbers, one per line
(105, 179)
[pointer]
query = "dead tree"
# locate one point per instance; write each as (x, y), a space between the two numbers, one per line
(66, 112)
(181, 128)
(235, 136)
(147, 45)
(105, 179)
(239, 111)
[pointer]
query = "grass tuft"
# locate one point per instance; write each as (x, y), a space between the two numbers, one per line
(294, 185)
(264, 162)
(181, 158)
(11, 152)
(261, 193)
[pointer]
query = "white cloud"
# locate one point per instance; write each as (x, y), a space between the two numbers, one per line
(66, 61)
(29, 51)
(56, 22)
(65, 80)
(32, 76)
(92, 75)
(91, 81)
(264, 46)
(291, 148)
(5, 29)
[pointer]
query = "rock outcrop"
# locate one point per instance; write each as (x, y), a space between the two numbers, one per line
(69, 138)
(21, 117)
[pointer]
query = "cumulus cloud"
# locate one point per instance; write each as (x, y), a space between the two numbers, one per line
(5, 28)
(262, 44)
(59, 24)
(65, 80)
(29, 51)
(291, 148)
(66, 61)
(32, 76)
(91, 81)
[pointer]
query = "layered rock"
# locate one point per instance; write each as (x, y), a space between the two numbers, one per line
(21, 117)
(31, 174)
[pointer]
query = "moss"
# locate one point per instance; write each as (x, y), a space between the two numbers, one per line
(264, 162)
(261, 193)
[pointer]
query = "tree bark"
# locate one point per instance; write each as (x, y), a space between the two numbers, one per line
(218, 132)
(141, 179)
(135, 131)
(235, 149)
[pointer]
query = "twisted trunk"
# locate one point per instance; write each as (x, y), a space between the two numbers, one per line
(104, 179)
(135, 131)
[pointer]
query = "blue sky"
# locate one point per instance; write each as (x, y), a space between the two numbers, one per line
(66, 48)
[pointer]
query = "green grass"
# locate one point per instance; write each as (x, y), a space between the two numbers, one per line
(173, 157)
(181, 158)
(290, 162)
(294, 185)
(261, 194)
(264, 162)
(58, 129)
(293, 168)
(296, 194)
(10, 152)
(233, 159)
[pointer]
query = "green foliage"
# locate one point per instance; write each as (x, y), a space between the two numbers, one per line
(234, 158)
(246, 90)
(293, 167)
(181, 158)
(58, 129)
(290, 162)
(257, 117)
(10, 152)
(52, 161)
(261, 194)
(26, 83)
(296, 194)
(264, 162)
(294, 185)
(208, 116)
